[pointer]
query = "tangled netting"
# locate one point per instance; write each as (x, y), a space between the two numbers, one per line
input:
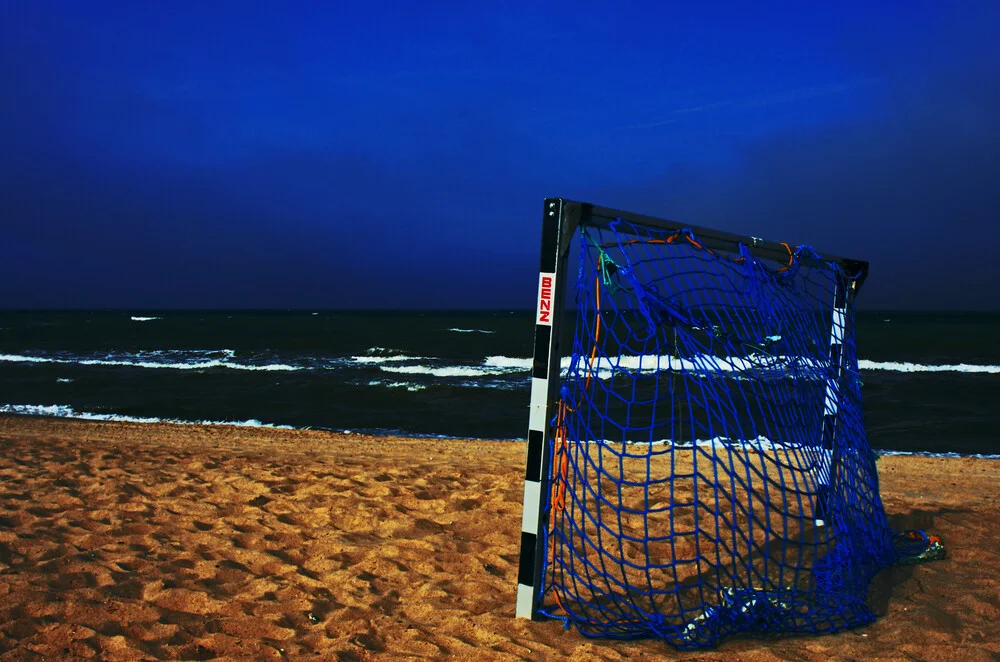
(710, 468)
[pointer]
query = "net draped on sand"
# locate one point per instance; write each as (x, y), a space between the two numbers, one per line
(710, 468)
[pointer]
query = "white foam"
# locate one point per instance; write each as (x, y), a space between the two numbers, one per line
(905, 366)
(385, 359)
(16, 358)
(138, 363)
(447, 371)
(760, 444)
(409, 386)
(763, 444)
(472, 331)
(144, 319)
(511, 363)
(65, 411)
(384, 354)
(503, 384)
(981, 456)
(604, 366)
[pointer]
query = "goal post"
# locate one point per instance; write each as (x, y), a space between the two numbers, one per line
(697, 463)
(559, 221)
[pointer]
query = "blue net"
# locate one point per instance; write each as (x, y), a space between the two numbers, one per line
(710, 468)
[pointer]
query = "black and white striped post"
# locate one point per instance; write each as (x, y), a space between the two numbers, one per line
(559, 221)
(831, 403)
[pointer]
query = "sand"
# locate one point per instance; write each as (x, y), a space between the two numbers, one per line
(135, 541)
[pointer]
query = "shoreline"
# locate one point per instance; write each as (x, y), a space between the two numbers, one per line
(40, 412)
(136, 540)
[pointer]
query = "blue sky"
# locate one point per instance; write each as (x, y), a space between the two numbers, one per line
(235, 154)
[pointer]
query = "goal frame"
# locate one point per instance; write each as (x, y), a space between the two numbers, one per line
(561, 218)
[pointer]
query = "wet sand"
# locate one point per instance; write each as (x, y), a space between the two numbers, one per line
(137, 541)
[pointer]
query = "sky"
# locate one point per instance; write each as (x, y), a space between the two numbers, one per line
(234, 154)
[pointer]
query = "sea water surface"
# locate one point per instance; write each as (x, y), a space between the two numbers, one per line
(931, 380)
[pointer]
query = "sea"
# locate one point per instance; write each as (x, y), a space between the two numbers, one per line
(931, 381)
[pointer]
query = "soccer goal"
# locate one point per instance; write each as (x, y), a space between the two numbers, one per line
(697, 461)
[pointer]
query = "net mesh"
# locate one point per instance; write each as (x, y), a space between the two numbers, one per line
(710, 468)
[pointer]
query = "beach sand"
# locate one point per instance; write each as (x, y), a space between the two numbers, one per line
(124, 541)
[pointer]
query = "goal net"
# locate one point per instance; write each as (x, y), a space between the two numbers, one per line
(702, 462)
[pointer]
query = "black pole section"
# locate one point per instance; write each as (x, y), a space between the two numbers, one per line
(559, 220)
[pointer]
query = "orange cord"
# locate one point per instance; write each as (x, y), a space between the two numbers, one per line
(559, 498)
(559, 489)
(930, 539)
(791, 257)
(694, 242)
(640, 241)
(562, 464)
(561, 460)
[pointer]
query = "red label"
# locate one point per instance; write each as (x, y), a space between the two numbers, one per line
(546, 283)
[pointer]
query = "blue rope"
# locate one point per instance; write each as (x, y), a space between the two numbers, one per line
(694, 406)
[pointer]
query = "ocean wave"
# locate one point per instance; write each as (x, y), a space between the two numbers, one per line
(398, 361)
(605, 366)
(139, 361)
(65, 411)
(511, 363)
(760, 444)
(981, 456)
(385, 359)
(136, 318)
(501, 384)
(764, 445)
(471, 331)
(445, 371)
(409, 386)
(896, 366)
(376, 355)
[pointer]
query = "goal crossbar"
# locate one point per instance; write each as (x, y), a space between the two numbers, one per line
(576, 214)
